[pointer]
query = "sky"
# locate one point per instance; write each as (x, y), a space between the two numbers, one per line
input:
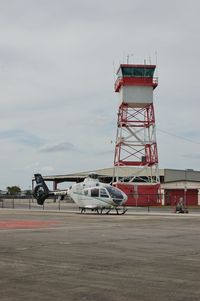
(58, 108)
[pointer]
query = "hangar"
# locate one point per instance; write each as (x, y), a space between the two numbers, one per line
(175, 185)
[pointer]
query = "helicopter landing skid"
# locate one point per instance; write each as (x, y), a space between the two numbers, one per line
(106, 211)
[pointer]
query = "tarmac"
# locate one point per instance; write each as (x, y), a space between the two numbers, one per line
(65, 255)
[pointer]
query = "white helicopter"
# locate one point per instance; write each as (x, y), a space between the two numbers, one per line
(90, 194)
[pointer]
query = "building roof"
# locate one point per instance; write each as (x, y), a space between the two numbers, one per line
(103, 173)
(169, 175)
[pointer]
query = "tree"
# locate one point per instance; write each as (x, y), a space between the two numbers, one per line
(13, 190)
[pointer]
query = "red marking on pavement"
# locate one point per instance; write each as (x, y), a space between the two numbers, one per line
(26, 224)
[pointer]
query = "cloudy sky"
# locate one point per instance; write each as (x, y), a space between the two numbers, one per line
(57, 60)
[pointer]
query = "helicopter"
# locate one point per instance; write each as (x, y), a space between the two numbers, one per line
(91, 194)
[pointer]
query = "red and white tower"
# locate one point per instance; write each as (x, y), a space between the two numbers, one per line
(136, 137)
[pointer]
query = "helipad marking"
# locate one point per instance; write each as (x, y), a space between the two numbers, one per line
(26, 224)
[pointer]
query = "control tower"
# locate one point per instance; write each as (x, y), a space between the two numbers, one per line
(136, 144)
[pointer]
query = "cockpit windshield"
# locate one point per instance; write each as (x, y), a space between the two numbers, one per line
(115, 193)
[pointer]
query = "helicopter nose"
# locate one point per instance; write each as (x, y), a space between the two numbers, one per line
(120, 201)
(117, 201)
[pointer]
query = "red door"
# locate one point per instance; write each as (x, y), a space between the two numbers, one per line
(173, 196)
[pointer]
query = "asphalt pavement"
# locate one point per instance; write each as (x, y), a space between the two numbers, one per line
(65, 255)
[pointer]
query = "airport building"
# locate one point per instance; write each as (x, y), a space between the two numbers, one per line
(175, 185)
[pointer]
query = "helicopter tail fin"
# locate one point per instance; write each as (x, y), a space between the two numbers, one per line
(41, 191)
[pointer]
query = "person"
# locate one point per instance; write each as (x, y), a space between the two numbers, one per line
(180, 207)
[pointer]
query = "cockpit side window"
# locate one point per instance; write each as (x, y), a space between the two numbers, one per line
(103, 193)
(95, 192)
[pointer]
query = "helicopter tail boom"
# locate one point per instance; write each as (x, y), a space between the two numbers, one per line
(41, 192)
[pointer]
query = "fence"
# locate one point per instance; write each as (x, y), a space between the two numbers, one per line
(169, 198)
(134, 200)
(28, 202)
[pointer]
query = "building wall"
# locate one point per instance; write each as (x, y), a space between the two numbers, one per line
(141, 195)
(188, 191)
(171, 175)
(136, 95)
(173, 196)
